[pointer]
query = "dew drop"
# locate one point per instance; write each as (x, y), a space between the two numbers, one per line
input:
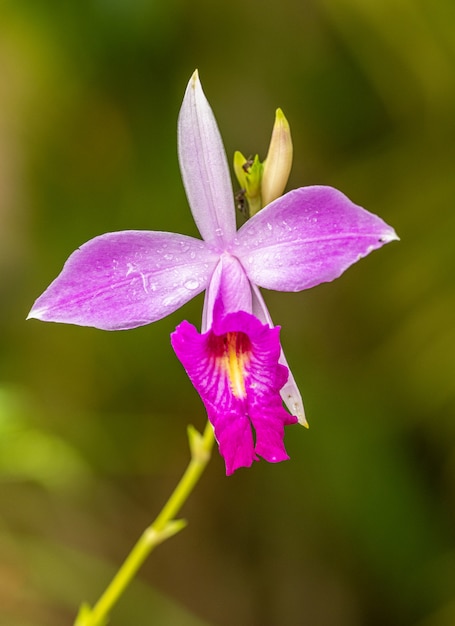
(191, 284)
(168, 257)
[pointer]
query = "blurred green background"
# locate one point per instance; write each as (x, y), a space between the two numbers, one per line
(358, 528)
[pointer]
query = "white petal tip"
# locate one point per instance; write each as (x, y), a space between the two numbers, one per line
(390, 236)
(291, 396)
(296, 408)
(194, 80)
(34, 315)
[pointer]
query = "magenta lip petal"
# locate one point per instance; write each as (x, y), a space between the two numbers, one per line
(235, 441)
(232, 427)
(204, 168)
(126, 279)
(234, 415)
(308, 236)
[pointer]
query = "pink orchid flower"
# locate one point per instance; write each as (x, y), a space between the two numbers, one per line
(126, 279)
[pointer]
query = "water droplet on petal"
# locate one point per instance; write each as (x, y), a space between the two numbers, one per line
(191, 284)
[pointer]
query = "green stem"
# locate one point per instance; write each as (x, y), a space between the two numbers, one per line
(163, 527)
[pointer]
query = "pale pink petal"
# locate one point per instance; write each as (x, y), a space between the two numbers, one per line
(308, 236)
(229, 290)
(290, 393)
(126, 279)
(204, 168)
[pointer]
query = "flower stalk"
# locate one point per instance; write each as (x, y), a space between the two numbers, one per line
(164, 527)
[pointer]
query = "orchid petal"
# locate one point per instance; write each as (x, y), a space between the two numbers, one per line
(204, 167)
(290, 393)
(229, 290)
(126, 279)
(308, 236)
(234, 368)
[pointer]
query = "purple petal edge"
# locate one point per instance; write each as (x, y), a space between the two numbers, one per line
(123, 280)
(308, 236)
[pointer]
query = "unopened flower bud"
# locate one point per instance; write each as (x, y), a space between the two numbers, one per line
(249, 175)
(278, 163)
